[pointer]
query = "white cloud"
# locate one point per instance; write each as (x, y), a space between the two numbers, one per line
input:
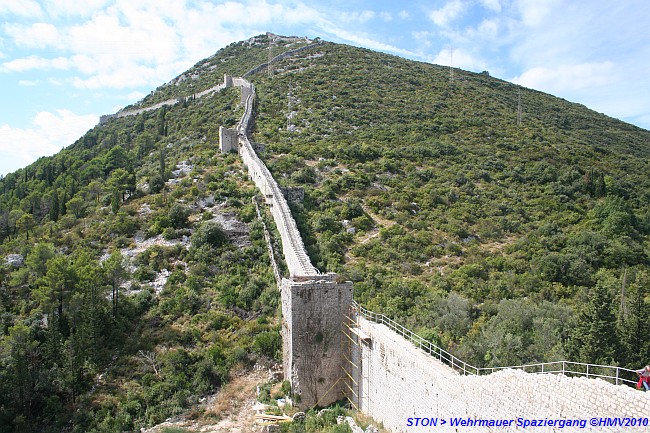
(403, 14)
(67, 8)
(23, 8)
(127, 44)
(459, 59)
(534, 12)
(35, 62)
(135, 96)
(423, 37)
(449, 12)
(568, 78)
(493, 5)
(48, 134)
(488, 28)
(37, 35)
(361, 17)
(29, 83)
(363, 40)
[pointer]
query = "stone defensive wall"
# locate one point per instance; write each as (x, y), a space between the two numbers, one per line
(282, 56)
(169, 102)
(300, 267)
(124, 113)
(392, 380)
(314, 305)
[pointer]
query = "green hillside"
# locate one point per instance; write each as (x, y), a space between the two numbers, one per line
(135, 276)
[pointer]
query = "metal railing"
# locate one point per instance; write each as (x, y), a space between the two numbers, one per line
(439, 353)
(610, 373)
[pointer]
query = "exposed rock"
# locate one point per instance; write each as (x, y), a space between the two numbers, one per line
(15, 260)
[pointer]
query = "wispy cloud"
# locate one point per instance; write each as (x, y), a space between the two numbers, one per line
(22, 8)
(73, 8)
(48, 133)
(459, 58)
(569, 77)
(534, 12)
(448, 13)
(493, 5)
(35, 62)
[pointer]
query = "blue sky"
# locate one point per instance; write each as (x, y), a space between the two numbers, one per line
(65, 62)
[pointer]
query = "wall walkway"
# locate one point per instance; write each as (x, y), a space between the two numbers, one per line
(393, 381)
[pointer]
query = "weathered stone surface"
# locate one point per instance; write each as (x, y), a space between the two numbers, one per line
(313, 314)
(396, 380)
(228, 139)
(15, 260)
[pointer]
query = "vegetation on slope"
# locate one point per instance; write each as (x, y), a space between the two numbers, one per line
(133, 301)
(499, 239)
(505, 242)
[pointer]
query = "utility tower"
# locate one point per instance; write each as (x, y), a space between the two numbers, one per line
(451, 63)
(519, 109)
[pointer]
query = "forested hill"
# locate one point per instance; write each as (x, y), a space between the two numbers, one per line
(506, 224)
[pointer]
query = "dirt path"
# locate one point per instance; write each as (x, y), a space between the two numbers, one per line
(228, 411)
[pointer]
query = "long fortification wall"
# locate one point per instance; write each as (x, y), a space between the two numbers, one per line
(314, 306)
(394, 380)
(296, 257)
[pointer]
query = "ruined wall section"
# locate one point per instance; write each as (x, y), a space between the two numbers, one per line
(228, 140)
(396, 380)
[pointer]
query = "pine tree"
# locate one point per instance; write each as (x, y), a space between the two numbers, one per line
(115, 273)
(634, 328)
(163, 168)
(595, 339)
(115, 201)
(54, 206)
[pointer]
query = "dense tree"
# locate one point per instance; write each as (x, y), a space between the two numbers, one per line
(634, 319)
(77, 206)
(122, 181)
(595, 339)
(115, 273)
(54, 206)
(18, 355)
